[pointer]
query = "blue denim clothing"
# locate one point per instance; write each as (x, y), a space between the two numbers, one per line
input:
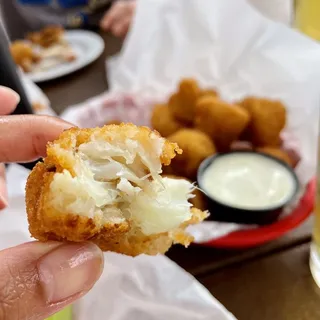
(21, 16)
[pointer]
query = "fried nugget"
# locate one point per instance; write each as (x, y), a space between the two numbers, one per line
(23, 55)
(163, 121)
(279, 154)
(198, 200)
(222, 121)
(104, 185)
(182, 103)
(268, 119)
(196, 146)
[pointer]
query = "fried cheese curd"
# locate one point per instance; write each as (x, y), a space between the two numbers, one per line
(182, 103)
(163, 121)
(268, 119)
(209, 93)
(104, 185)
(222, 121)
(196, 146)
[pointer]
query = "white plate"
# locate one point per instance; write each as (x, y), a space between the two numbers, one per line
(88, 46)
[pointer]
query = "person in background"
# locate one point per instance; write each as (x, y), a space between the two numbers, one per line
(22, 16)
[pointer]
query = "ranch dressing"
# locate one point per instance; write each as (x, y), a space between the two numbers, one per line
(248, 181)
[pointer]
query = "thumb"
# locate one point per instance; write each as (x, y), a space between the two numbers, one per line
(39, 279)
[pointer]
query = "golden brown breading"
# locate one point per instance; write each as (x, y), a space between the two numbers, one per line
(182, 103)
(133, 244)
(222, 121)
(277, 153)
(163, 121)
(23, 55)
(114, 121)
(268, 118)
(51, 206)
(209, 92)
(47, 37)
(196, 146)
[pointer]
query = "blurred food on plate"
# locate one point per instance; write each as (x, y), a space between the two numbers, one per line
(38, 107)
(24, 55)
(47, 37)
(42, 50)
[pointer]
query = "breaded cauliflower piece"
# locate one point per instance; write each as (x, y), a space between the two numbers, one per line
(222, 121)
(196, 146)
(24, 55)
(104, 185)
(267, 119)
(182, 103)
(163, 121)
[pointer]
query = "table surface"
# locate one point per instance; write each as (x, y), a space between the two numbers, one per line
(269, 282)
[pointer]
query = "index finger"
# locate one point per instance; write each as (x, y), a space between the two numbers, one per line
(23, 138)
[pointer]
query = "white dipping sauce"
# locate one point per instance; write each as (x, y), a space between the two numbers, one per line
(248, 181)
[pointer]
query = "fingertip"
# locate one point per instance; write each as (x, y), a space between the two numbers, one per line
(8, 100)
(36, 131)
(8, 91)
(78, 264)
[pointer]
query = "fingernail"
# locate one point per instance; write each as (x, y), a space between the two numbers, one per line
(69, 270)
(6, 90)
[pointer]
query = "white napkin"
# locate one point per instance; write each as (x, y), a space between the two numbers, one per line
(148, 288)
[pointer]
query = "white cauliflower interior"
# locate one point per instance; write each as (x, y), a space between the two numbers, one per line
(121, 180)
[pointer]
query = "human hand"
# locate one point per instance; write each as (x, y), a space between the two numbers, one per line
(118, 19)
(39, 279)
